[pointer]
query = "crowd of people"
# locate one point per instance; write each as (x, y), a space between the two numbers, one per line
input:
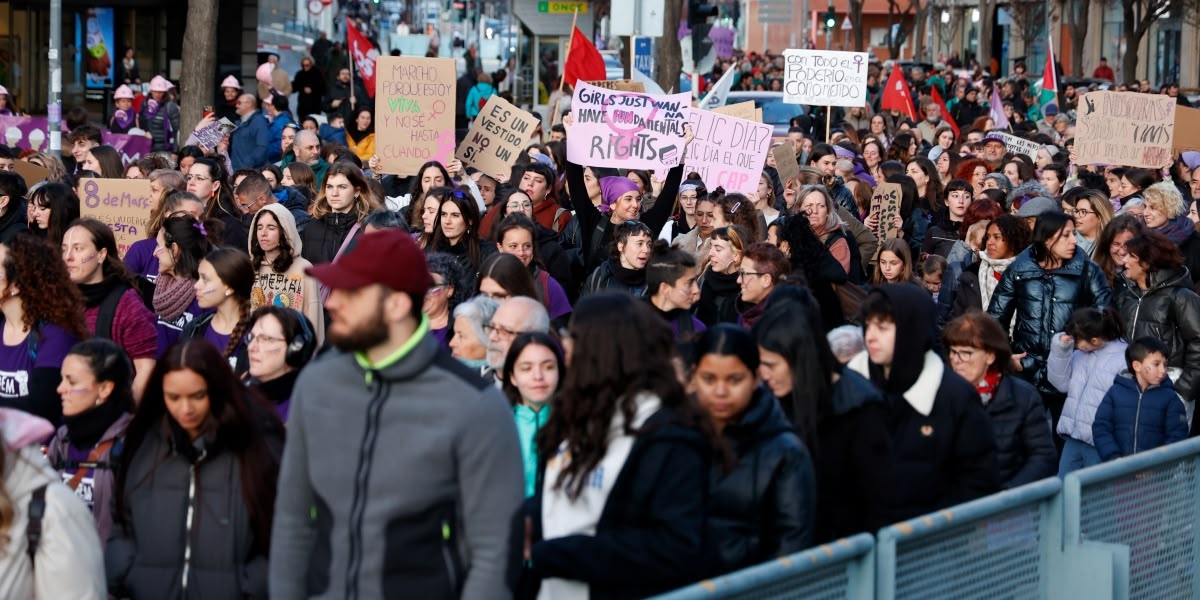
(565, 380)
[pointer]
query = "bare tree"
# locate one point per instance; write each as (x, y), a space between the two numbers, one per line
(987, 20)
(196, 81)
(855, 13)
(669, 60)
(903, 17)
(920, 21)
(1078, 15)
(1139, 16)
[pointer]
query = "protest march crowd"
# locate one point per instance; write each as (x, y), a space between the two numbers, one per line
(651, 346)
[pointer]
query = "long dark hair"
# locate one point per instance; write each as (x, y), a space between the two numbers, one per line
(519, 221)
(64, 207)
(104, 239)
(108, 362)
(530, 338)
(607, 372)
(791, 327)
(510, 274)
(189, 235)
(1045, 229)
(237, 422)
(235, 270)
(223, 202)
(110, 161)
(470, 215)
(283, 262)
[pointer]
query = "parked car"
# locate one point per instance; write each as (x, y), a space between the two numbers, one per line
(613, 69)
(776, 113)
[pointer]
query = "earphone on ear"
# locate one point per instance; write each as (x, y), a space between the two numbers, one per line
(301, 350)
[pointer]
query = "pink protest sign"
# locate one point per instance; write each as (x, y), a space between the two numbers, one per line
(627, 129)
(727, 151)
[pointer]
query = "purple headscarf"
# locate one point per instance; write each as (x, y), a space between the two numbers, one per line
(612, 188)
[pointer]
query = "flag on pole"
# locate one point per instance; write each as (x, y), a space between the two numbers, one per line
(896, 95)
(719, 91)
(1049, 79)
(583, 60)
(364, 55)
(996, 109)
(937, 99)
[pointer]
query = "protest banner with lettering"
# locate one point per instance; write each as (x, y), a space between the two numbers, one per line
(727, 151)
(414, 112)
(31, 173)
(825, 77)
(621, 85)
(1187, 129)
(741, 110)
(132, 147)
(785, 162)
(209, 136)
(885, 202)
(122, 204)
(1125, 128)
(1020, 145)
(500, 132)
(626, 129)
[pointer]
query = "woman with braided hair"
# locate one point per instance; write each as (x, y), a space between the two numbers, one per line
(224, 286)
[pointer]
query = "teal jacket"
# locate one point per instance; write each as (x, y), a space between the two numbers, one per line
(528, 424)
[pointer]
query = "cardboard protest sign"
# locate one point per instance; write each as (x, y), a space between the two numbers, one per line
(31, 173)
(414, 112)
(727, 151)
(1187, 129)
(785, 162)
(825, 77)
(122, 204)
(627, 129)
(885, 202)
(741, 110)
(209, 136)
(621, 85)
(1020, 145)
(1125, 128)
(500, 132)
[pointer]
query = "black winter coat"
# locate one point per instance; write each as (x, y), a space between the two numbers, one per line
(852, 456)
(765, 506)
(147, 559)
(650, 536)
(1170, 312)
(1025, 450)
(612, 277)
(719, 293)
(323, 237)
(940, 237)
(1041, 302)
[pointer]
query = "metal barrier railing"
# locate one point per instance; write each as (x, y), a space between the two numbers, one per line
(841, 569)
(1149, 502)
(999, 543)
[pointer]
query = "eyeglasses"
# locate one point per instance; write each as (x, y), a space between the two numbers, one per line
(1079, 212)
(196, 178)
(743, 274)
(963, 354)
(500, 331)
(262, 339)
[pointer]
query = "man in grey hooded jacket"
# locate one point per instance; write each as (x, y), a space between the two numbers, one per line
(402, 474)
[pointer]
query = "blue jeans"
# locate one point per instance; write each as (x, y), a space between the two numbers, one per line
(1077, 455)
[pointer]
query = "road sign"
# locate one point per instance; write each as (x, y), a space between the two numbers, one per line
(642, 58)
(846, 26)
(562, 7)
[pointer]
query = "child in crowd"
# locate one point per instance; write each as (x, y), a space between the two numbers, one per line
(1082, 364)
(933, 271)
(1141, 411)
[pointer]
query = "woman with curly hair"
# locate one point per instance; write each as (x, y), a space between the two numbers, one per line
(625, 462)
(52, 209)
(451, 286)
(973, 171)
(42, 315)
(336, 214)
(182, 243)
(1110, 248)
(275, 248)
(1006, 236)
(226, 278)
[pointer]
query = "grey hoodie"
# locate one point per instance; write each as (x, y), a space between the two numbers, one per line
(292, 289)
(400, 481)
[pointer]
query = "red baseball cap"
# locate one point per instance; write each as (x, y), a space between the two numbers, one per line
(389, 258)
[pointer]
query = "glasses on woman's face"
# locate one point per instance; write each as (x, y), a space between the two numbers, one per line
(190, 177)
(262, 339)
(962, 354)
(1078, 212)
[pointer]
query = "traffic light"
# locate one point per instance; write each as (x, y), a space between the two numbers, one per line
(698, 14)
(830, 19)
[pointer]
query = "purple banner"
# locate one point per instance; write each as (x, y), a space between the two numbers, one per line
(29, 133)
(131, 147)
(722, 39)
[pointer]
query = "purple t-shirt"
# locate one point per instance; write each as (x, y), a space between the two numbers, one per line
(169, 332)
(218, 340)
(440, 335)
(557, 303)
(141, 260)
(17, 364)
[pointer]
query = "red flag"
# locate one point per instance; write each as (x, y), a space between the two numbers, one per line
(364, 55)
(583, 60)
(937, 99)
(896, 95)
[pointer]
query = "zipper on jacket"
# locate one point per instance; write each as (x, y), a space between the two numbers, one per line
(187, 531)
(447, 554)
(1136, 312)
(362, 475)
(1136, 417)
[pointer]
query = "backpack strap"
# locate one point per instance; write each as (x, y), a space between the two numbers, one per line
(92, 457)
(108, 311)
(557, 213)
(33, 530)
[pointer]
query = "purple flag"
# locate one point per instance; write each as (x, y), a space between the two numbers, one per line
(131, 147)
(996, 109)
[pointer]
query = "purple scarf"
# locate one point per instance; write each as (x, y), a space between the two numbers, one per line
(1178, 230)
(124, 119)
(151, 108)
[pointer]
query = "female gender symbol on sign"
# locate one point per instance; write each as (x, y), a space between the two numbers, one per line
(625, 129)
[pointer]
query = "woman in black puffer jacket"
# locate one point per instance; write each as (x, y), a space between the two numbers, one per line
(344, 202)
(763, 507)
(1039, 291)
(1158, 301)
(978, 351)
